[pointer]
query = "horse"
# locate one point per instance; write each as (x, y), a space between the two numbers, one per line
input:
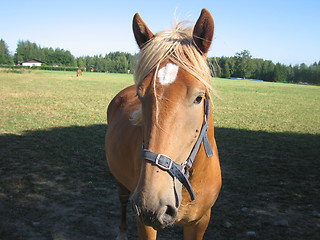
(160, 144)
(79, 72)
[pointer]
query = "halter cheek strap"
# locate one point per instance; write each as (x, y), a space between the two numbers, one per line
(176, 170)
(166, 164)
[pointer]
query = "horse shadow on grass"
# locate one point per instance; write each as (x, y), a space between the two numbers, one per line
(54, 184)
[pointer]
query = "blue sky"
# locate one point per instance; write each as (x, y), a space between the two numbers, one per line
(279, 30)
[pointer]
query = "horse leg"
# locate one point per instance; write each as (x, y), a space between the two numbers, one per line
(124, 195)
(146, 232)
(196, 232)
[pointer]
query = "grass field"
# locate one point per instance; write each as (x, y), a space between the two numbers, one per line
(40, 100)
(54, 183)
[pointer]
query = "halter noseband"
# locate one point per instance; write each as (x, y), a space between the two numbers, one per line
(176, 170)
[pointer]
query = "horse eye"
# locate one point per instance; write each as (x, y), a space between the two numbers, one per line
(198, 100)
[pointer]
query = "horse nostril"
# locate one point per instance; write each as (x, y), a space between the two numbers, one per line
(168, 216)
(171, 211)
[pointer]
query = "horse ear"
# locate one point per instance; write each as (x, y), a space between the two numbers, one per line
(203, 31)
(141, 31)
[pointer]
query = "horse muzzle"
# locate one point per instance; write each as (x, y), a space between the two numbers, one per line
(155, 215)
(158, 207)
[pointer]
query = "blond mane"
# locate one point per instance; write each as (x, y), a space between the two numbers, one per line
(177, 46)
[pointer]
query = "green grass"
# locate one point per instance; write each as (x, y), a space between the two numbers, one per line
(265, 106)
(52, 127)
(44, 99)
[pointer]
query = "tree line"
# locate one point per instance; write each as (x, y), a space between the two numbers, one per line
(242, 65)
(114, 62)
(28, 50)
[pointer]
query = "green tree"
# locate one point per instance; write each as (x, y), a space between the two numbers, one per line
(121, 64)
(290, 73)
(267, 71)
(5, 57)
(81, 62)
(49, 57)
(281, 73)
(256, 68)
(227, 66)
(27, 50)
(243, 64)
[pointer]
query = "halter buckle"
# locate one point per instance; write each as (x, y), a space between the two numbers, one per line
(163, 162)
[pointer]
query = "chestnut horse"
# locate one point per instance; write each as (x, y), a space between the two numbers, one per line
(79, 72)
(160, 142)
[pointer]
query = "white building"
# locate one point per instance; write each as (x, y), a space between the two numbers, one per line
(32, 62)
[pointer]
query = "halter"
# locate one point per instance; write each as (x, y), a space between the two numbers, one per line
(181, 172)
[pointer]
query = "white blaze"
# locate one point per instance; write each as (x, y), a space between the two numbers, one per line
(168, 74)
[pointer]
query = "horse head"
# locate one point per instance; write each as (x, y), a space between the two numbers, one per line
(173, 84)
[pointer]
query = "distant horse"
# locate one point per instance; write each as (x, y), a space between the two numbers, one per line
(79, 72)
(160, 142)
